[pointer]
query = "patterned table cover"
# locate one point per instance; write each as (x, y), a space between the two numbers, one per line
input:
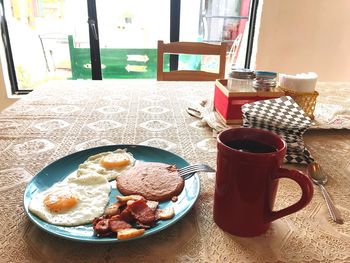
(67, 116)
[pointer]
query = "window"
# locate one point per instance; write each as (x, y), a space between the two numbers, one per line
(49, 39)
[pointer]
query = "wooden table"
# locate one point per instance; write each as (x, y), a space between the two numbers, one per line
(65, 117)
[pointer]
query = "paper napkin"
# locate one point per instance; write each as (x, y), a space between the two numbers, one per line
(204, 110)
(284, 117)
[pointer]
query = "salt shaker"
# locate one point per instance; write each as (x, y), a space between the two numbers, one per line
(240, 79)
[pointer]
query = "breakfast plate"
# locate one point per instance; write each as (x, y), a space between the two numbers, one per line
(60, 169)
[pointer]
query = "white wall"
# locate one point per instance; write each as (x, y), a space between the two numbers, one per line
(305, 35)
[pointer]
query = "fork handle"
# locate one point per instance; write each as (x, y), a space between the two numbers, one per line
(335, 214)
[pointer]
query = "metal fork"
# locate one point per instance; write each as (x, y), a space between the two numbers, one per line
(188, 171)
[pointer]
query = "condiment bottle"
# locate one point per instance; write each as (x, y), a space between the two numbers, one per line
(265, 80)
(240, 79)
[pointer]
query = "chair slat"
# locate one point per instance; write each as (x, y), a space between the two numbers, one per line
(195, 48)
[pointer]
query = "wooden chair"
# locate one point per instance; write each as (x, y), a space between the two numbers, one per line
(233, 53)
(194, 48)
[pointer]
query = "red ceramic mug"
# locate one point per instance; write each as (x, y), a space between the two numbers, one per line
(247, 180)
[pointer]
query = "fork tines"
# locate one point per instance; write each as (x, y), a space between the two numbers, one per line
(188, 171)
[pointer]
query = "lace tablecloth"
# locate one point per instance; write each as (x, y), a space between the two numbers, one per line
(333, 106)
(65, 117)
(332, 109)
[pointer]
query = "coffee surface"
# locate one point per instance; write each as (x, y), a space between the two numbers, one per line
(251, 146)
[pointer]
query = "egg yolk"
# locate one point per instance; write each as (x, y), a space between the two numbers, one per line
(60, 201)
(115, 161)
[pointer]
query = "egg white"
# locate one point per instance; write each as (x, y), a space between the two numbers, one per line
(92, 191)
(92, 164)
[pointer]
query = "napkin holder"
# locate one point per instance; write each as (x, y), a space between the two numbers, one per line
(306, 100)
(228, 103)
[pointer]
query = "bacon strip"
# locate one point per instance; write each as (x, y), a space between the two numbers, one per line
(101, 227)
(126, 215)
(117, 225)
(118, 217)
(142, 212)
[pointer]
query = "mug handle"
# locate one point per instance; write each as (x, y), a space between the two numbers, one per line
(307, 192)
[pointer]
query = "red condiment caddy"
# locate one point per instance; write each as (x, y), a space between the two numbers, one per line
(227, 103)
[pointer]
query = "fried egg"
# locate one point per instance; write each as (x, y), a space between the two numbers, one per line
(74, 201)
(108, 164)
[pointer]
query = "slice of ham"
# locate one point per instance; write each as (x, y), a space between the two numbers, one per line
(142, 212)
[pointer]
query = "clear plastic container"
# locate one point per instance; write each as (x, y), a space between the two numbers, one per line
(240, 80)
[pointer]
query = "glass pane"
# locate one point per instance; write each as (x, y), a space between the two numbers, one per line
(129, 31)
(217, 21)
(39, 33)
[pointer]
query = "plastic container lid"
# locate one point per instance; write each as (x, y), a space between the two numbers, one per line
(242, 74)
(265, 74)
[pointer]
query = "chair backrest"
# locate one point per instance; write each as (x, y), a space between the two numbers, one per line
(233, 53)
(193, 48)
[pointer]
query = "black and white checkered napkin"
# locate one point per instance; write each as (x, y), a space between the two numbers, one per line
(284, 117)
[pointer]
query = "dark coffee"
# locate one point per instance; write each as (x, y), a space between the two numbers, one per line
(251, 146)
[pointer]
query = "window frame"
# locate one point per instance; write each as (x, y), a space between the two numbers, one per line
(96, 72)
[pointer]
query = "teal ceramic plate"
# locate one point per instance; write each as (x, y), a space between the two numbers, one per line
(58, 170)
